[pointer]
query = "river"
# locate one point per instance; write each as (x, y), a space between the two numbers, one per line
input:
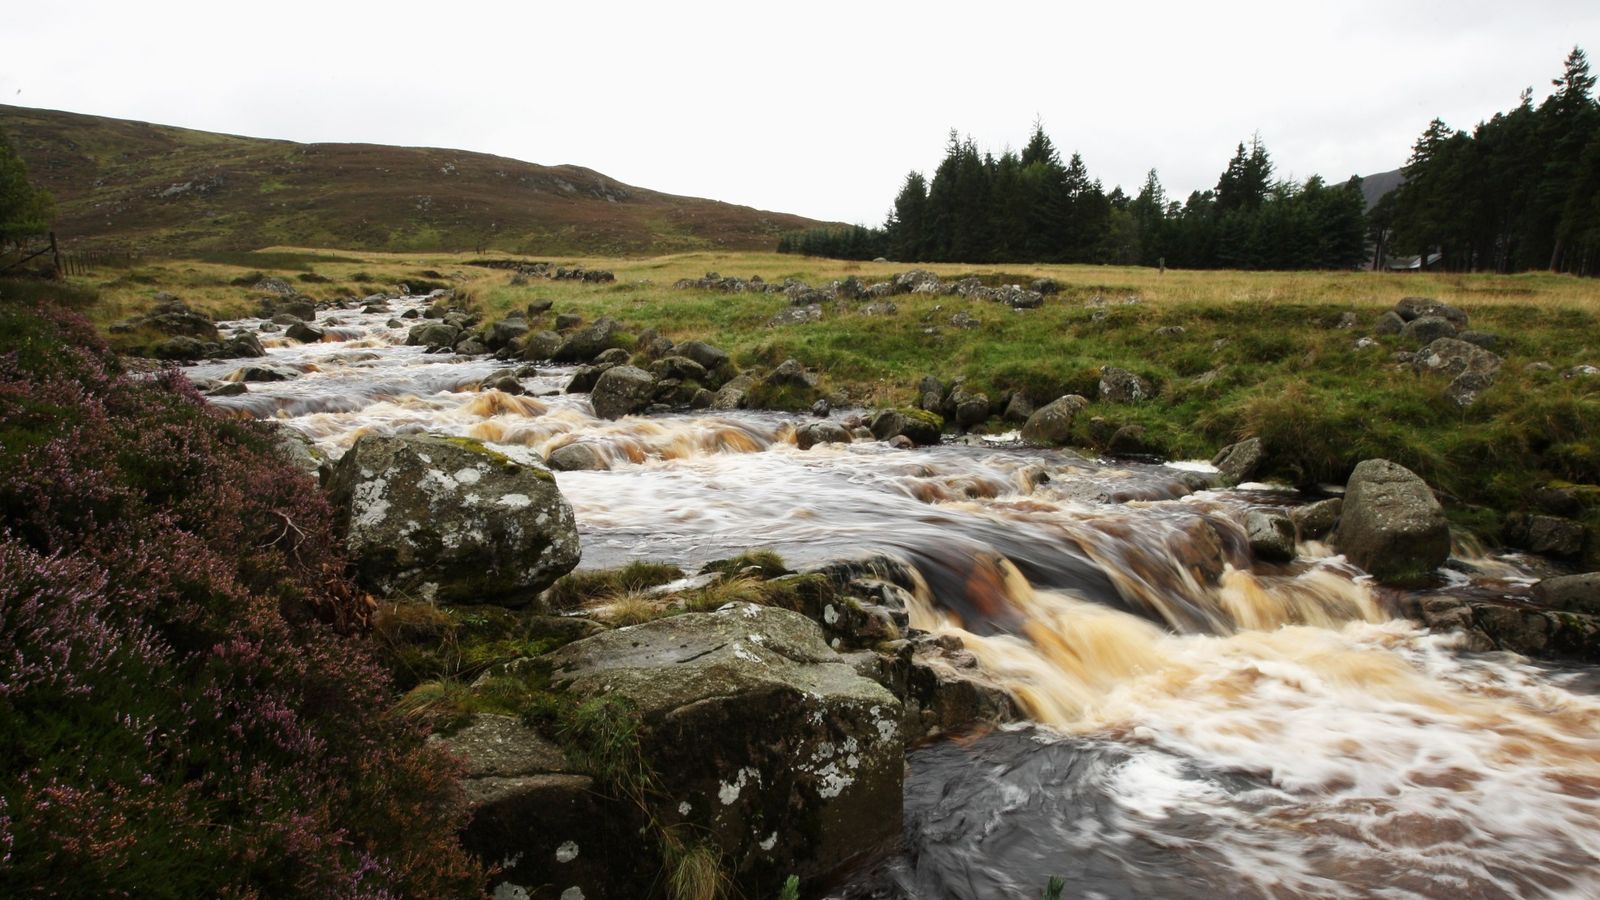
(1203, 725)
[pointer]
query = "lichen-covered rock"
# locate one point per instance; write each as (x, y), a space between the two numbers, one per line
(1410, 309)
(1504, 625)
(1051, 424)
(1570, 593)
(1237, 463)
(541, 345)
(760, 736)
(734, 394)
(622, 390)
(1315, 520)
(1550, 535)
(450, 521)
(710, 358)
(504, 332)
(1389, 323)
(808, 436)
(578, 458)
(1427, 329)
(1271, 535)
(587, 343)
(433, 334)
(1391, 525)
(1122, 386)
(544, 825)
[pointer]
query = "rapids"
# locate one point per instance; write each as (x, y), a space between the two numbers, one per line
(1204, 725)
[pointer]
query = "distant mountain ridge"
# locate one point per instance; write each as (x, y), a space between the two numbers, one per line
(167, 189)
(1373, 187)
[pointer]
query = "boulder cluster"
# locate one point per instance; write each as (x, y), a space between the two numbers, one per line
(561, 273)
(807, 301)
(182, 334)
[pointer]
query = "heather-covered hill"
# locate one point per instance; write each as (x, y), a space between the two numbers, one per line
(173, 190)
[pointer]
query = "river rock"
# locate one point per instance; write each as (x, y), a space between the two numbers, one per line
(969, 408)
(586, 844)
(1570, 593)
(540, 346)
(1051, 424)
(587, 343)
(1427, 329)
(761, 737)
(579, 457)
(815, 433)
(1271, 535)
(1121, 386)
(303, 333)
(710, 358)
(433, 335)
(1018, 408)
(1237, 463)
(449, 521)
(734, 394)
(920, 427)
(181, 349)
(584, 378)
(470, 346)
(680, 368)
(1391, 525)
(1502, 625)
(1549, 535)
(1315, 520)
(622, 390)
(243, 346)
(505, 332)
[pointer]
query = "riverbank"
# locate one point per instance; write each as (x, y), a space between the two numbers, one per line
(1295, 359)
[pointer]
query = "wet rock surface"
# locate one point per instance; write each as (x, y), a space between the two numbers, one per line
(447, 520)
(762, 737)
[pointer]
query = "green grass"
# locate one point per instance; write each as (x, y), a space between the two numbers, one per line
(1260, 354)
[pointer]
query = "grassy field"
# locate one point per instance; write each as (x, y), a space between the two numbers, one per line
(1260, 354)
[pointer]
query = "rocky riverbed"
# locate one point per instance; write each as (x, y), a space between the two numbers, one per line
(1169, 680)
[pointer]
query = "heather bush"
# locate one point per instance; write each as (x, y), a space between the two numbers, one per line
(188, 702)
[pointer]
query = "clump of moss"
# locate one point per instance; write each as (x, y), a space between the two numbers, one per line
(764, 563)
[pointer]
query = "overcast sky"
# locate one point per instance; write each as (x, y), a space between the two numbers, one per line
(812, 107)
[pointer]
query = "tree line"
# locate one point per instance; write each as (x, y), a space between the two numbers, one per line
(1034, 207)
(1520, 192)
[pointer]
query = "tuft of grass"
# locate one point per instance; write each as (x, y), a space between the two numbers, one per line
(765, 563)
(578, 588)
(791, 888)
(695, 872)
(719, 593)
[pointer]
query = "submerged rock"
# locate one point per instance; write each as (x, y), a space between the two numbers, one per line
(621, 390)
(450, 521)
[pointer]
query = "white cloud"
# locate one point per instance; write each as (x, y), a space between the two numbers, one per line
(818, 108)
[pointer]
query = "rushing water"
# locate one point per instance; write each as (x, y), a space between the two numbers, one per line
(1205, 725)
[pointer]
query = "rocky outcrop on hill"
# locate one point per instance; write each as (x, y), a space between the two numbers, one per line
(448, 520)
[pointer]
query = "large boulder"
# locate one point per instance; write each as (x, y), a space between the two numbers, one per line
(1549, 535)
(808, 436)
(1570, 593)
(1391, 525)
(172, 317)
(1051, 424)
(450, 521)
(622, 390)
(541, 345)
(918, 426)
(587, 343)
(710, 358)
(760, 737)
(504, 332)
